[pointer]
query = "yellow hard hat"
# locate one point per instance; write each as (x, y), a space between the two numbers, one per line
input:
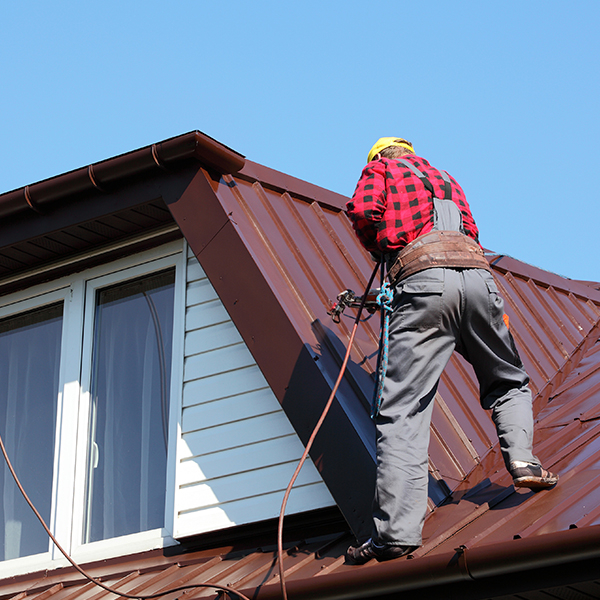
(385, 142)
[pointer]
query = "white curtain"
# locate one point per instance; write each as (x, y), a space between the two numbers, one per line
(131, 371)
(29, 371)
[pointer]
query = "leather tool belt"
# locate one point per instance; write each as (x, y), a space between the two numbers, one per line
(438, 249)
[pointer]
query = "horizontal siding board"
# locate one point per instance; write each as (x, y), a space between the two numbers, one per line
(249, 510)
(240, 459)
(204, 315)
(218, 361)
(222, 385)
(211, 338)
(194, 270)
(200, 291)
(234, 434)
(208, 519)
(257, 482)
(234, 408)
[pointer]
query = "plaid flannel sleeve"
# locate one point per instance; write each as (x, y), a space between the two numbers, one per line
(367, 206)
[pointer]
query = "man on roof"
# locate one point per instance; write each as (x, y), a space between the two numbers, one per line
(417, 219)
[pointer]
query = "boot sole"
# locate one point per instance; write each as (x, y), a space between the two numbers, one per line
(535, 483)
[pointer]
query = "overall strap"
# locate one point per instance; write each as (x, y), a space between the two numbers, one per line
(446, 214)
(427, 182)
(447, 186)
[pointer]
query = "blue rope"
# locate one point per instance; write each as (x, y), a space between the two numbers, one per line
(384, 299)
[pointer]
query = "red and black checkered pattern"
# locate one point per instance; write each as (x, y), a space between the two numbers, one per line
(391, 207)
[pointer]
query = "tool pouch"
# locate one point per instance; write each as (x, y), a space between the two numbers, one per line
(438, 249)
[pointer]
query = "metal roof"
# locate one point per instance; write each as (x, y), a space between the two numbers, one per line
(277, 251)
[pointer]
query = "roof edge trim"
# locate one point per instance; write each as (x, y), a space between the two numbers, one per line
(105, 175)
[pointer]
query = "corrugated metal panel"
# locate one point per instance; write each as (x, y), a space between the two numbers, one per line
(308, 252)
(237, 450)
(550, 319)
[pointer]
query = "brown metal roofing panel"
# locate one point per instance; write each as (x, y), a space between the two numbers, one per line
(457, 574)
(298, 260)
(460, 391)
(562, 295)
(317, 223)
(456, 448)
(306, 252)
(532, 342)
(579, 313)
(314, 570)
(563, 328)
(546, 319)
(576, 403)
(297, 242)
(526, 514)
(283, 182)
(306, 268)
(541, 323)
(568, 446)
(573, 451)
(577, 381)
(544, 278)
(554, 385)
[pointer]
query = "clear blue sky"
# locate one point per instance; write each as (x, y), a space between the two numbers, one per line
(502, 95)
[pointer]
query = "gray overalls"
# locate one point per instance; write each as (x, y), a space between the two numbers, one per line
(437, 311)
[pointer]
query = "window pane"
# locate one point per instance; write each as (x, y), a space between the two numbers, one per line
(131, 369)
(29, 371)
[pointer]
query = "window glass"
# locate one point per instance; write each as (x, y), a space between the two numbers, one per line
(29, 379)
(131, 365)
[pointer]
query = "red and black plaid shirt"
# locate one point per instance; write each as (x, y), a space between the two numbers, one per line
(391, 207)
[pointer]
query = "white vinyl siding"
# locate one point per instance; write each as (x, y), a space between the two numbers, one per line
(237, 450)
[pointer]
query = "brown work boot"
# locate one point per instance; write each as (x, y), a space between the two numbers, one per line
(363, 554)
(529, 475)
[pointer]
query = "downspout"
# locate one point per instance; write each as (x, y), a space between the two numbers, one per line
(465, 564)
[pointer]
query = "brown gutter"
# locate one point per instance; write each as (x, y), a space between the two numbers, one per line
(466, 564)
(104, 175)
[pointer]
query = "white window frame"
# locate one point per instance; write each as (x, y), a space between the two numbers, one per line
(78, 293)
